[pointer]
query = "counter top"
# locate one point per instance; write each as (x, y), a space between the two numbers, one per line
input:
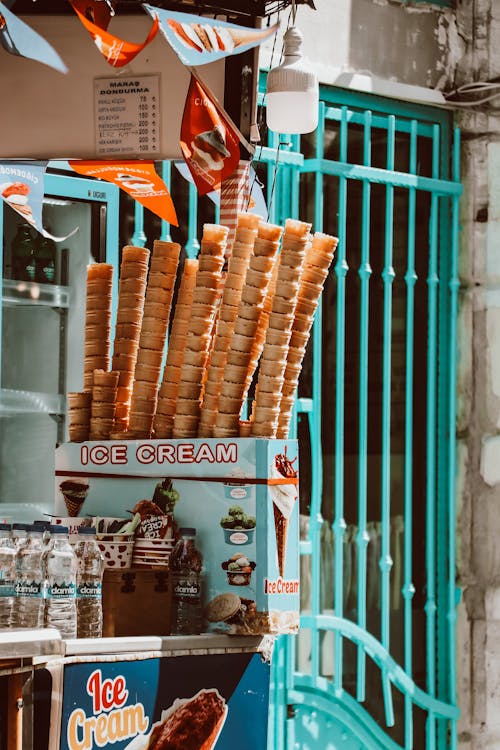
(36, 644)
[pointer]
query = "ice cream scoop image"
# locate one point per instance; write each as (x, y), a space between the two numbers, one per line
(209, 149)
(132, 182)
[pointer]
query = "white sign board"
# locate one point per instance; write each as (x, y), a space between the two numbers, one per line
(127, 116)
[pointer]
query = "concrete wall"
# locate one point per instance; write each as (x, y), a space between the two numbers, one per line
(403, 43)
(478, 26)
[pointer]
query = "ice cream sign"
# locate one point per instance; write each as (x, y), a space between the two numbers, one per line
(113, 717)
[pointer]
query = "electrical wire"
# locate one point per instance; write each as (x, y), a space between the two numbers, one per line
(474, 88)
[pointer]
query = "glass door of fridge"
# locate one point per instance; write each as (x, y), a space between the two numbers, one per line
(42, 332)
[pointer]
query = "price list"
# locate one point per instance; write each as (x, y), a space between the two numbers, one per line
(127, 116)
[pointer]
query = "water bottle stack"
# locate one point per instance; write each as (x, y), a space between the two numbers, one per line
(45, 582)
(29, 603)
(89, 584)
(60, 566)
(7, 576)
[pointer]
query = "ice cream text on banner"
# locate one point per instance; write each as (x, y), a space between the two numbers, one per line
(137, 178)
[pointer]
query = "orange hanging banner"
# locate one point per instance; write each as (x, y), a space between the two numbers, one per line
(137, 178)
(209, 143)
(95, 15)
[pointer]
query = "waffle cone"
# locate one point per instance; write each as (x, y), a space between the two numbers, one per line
(73, 506)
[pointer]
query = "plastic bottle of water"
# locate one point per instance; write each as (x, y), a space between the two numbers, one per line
(7, 575)
(19, 533)
(29, 603)
(60, 576)
(89, 584)
(186, 563)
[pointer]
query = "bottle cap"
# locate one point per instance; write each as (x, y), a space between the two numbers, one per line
(59, 529)
(5, 527)
(34, 529)
(20, 526)
(42, 524)
(187, 531)
(86, 530)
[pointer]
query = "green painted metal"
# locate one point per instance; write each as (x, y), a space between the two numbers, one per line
(438, 191)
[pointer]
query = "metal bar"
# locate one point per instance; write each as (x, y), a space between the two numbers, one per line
(192, 244)
(379, 121)
(339, 525)
(270, 153)
(382, 176)
(364, 273)
(385, 563)
(138, 237)
(271, 168)
(454, 285)
(408, 587)
(316, 518)
(166, 175)
(430, 604)
(384, 660)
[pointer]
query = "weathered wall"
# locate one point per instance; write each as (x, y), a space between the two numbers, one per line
(413, 44)
(478, 27)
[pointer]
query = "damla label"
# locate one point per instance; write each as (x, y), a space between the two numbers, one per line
(187, 591)
(86, 590)
(29, 588)
(7, 588)
(61, 591)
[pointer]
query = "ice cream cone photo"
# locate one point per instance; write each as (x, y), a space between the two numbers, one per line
(74, 492)
(284, 497)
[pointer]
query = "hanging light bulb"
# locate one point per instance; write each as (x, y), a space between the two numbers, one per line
(292, 94)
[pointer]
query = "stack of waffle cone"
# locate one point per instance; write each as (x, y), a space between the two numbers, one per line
(167, 396)
(97, 320)
(250, 307)
(79, 415)
(246, 233)
(317, 264)
(274, 354)
(157, 307)
(103, 407)
(133, 275)
(199, 337)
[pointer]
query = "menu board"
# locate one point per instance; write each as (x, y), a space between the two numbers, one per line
(127, 116)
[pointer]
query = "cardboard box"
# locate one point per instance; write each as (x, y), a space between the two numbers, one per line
(241, 495)
(136, 602)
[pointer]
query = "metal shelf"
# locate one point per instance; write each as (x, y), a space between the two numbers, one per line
(24, 293)
(14, 403)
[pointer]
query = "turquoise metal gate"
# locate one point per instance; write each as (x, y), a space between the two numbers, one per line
(374, 665)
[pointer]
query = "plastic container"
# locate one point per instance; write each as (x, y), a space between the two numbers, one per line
(89, 584)
(60, 573)
(186, 563)
(29, 603)
(7, 575)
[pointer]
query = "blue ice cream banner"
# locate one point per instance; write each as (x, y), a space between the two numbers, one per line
(241, 495)
(17, 38)
(22, 188)
(198, 40)
(200, 702)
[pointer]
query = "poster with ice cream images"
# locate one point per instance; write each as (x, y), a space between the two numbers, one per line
(213, 701)
(137, 178)
(22, 188)
(95, 16)
(17, 38)
(209, 143)
(241, 495)
(198, 40)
